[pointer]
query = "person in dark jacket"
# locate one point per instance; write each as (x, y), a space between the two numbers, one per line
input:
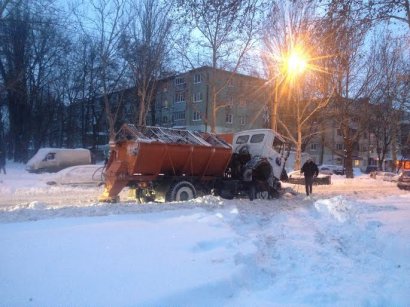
(310, 171)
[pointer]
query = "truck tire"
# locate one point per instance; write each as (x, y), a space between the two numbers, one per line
(181, 191)
(226, 194)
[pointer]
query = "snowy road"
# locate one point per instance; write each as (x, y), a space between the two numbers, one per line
(86, 195)
(51, 195)
(346, 246)
(17, 189)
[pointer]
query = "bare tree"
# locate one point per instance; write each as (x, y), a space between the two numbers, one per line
(145, 46)
(224, 32)
(388, 59)
(398, 10)
(299, 95)
(104, 22)
(5, 4)
(82, 95)
(344, 29)
(29, 56)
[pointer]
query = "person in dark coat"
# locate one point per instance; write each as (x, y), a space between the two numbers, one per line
(310, 171)
(2, 161)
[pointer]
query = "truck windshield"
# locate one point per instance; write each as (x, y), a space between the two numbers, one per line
(242, 139)
(257, 138)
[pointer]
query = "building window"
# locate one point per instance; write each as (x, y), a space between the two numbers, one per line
(179, 115)
(242, 102)
(339, 132)
(179, 81)
(243, 120)
(197, 78)
(230, 102)
(314, 147)
(165, 104)
(228, 118)
(339, 146)
(180, 97)
(164, 119)
(228, 115)
(197, 97)
(196, 116)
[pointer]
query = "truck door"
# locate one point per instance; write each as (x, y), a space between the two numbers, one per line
(278, 149)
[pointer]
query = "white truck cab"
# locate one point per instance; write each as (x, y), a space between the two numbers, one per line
(262, 144)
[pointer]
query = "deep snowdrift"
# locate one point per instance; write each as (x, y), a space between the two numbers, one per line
(347, 246)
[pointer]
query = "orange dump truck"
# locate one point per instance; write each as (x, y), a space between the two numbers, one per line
(165, 164)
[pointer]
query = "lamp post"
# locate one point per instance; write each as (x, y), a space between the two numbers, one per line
(292, 65)
(274, 109)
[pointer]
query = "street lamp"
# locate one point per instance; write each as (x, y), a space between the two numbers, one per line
(292, 65)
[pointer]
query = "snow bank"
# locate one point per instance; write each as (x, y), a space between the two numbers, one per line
(351, 249)
(337, 207)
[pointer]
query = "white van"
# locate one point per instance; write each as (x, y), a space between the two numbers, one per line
(55, 159)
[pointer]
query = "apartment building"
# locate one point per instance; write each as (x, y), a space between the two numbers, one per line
(204, 97)
(328, 147)
(187, 101)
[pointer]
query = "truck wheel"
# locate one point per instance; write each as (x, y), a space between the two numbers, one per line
(224, 193)
(181, 191)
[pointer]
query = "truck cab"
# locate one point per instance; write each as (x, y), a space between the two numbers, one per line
(262, 144)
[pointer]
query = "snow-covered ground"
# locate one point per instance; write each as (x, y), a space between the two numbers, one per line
(348, 246)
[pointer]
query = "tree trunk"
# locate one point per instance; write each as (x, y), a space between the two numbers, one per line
(349, 159)
(298, 158)
(19, 122)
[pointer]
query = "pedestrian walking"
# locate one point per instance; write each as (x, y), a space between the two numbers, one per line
(310, 171)
(2, 161)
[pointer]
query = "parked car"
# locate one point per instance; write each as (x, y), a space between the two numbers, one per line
(404, 180)
(376, 174)
(78, 175)
(56, 159)
(331, 169)
(386, 176)
(324, 169)
(390, 176)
